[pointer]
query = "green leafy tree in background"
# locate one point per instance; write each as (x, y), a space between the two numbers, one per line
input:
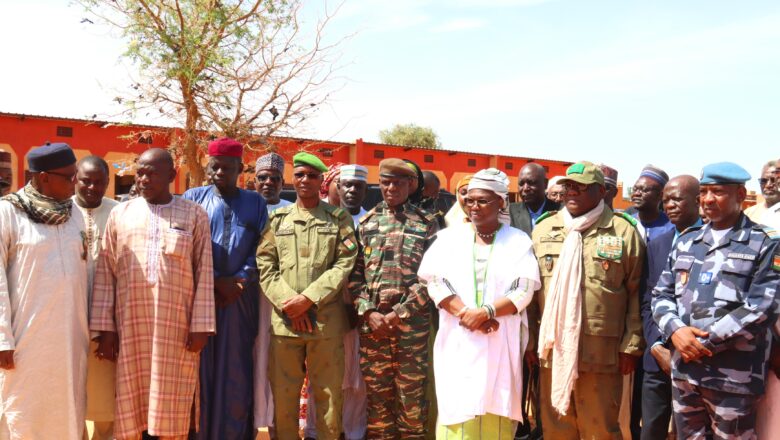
(410, 135)
(240, 68)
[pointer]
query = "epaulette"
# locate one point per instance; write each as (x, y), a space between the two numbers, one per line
(545, 215)
(691, 229)
(367, 216)
(627, 218)
(770, 232)
(278, 212)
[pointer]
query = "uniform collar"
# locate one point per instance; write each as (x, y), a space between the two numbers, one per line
(739, 233)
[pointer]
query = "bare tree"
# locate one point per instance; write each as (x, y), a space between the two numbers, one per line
(240, 68)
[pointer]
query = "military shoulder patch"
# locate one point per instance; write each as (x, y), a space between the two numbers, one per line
(349, 243)
(627, 218)
(547, 214)
(776, 263)
(770, 232)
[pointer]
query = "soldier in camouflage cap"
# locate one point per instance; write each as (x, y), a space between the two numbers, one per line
(592, 257)
(715, 302)
(394, 307)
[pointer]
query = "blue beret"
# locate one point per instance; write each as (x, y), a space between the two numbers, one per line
(50, 157)
(723, 173)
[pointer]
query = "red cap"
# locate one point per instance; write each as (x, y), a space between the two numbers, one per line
(225, 147)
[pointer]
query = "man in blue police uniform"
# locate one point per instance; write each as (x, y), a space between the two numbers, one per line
(715, 302)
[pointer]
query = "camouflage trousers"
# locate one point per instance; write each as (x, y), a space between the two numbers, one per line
(702, 413)
(395, 370)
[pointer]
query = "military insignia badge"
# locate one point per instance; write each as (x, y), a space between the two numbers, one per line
(705, 278)
(605, 265)
(684, 277)
(351, 246)
(367, 250)
(609, 247)
(776, 263)
(548, 262)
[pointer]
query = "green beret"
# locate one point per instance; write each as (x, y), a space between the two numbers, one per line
(310, 160)
(393, 167)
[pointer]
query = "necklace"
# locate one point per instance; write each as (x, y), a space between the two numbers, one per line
(487, 235)
(478, 292)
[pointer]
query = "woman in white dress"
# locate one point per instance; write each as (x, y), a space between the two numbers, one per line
(481, 275)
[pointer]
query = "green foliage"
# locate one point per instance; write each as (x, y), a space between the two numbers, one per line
(410, 135)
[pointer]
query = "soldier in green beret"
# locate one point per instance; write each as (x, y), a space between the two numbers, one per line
(394, 307)
(306, 254)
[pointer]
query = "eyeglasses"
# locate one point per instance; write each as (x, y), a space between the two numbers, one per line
(556, 194)
(311, 176)
(762, 181)
(479, 202)
(273, 179)
(68, 177)
(574, 187)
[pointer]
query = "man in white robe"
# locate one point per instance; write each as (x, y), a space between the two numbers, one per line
(43, 303)
(91, 183)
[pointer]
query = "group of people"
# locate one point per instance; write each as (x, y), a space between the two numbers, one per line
(224, 310)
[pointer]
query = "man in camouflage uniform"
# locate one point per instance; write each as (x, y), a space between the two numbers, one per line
(715, 302)
(609, 340)
(394, 307)
(304, 258)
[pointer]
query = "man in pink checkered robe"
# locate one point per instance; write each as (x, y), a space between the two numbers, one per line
(153, 303)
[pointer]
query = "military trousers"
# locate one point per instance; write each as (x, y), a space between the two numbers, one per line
(703, 413)
(290, 359)
(395, 370)
(593, 410)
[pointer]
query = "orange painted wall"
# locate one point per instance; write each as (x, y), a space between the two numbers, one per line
(20, 133)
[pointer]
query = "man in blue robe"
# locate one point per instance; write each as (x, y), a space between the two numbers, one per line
(237, 218)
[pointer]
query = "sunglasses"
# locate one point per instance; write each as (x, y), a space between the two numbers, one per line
(311, 176)
(762, 181)
(273, 179)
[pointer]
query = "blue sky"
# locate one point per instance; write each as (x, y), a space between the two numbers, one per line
(677, 84)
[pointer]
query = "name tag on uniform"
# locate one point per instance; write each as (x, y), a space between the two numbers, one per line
(705, 277)
(609, 247)
(738, 256)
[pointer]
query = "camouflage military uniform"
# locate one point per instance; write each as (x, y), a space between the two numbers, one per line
(612, 255)
(385, 280)
(311, 252)
(729, 290)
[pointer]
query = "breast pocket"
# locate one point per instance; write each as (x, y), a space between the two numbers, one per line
(413, 249)
(607, 273)
(177, 243)
(327, 239)
(735, 276)
(285, 247)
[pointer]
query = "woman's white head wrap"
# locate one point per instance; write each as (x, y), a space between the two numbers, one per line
(493, 180)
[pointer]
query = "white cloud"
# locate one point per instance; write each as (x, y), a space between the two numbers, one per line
(459, 24)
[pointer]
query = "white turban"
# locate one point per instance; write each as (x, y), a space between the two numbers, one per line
(493, 180)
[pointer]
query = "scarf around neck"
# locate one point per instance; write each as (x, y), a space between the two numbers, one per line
(559, 331)
(40, 208)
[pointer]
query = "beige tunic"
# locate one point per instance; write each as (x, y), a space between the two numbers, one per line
(101, 374)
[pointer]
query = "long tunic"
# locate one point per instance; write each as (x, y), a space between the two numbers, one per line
(154, 285)
(43, 317)
(226, 363)
(476, 373)
(101, 374)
